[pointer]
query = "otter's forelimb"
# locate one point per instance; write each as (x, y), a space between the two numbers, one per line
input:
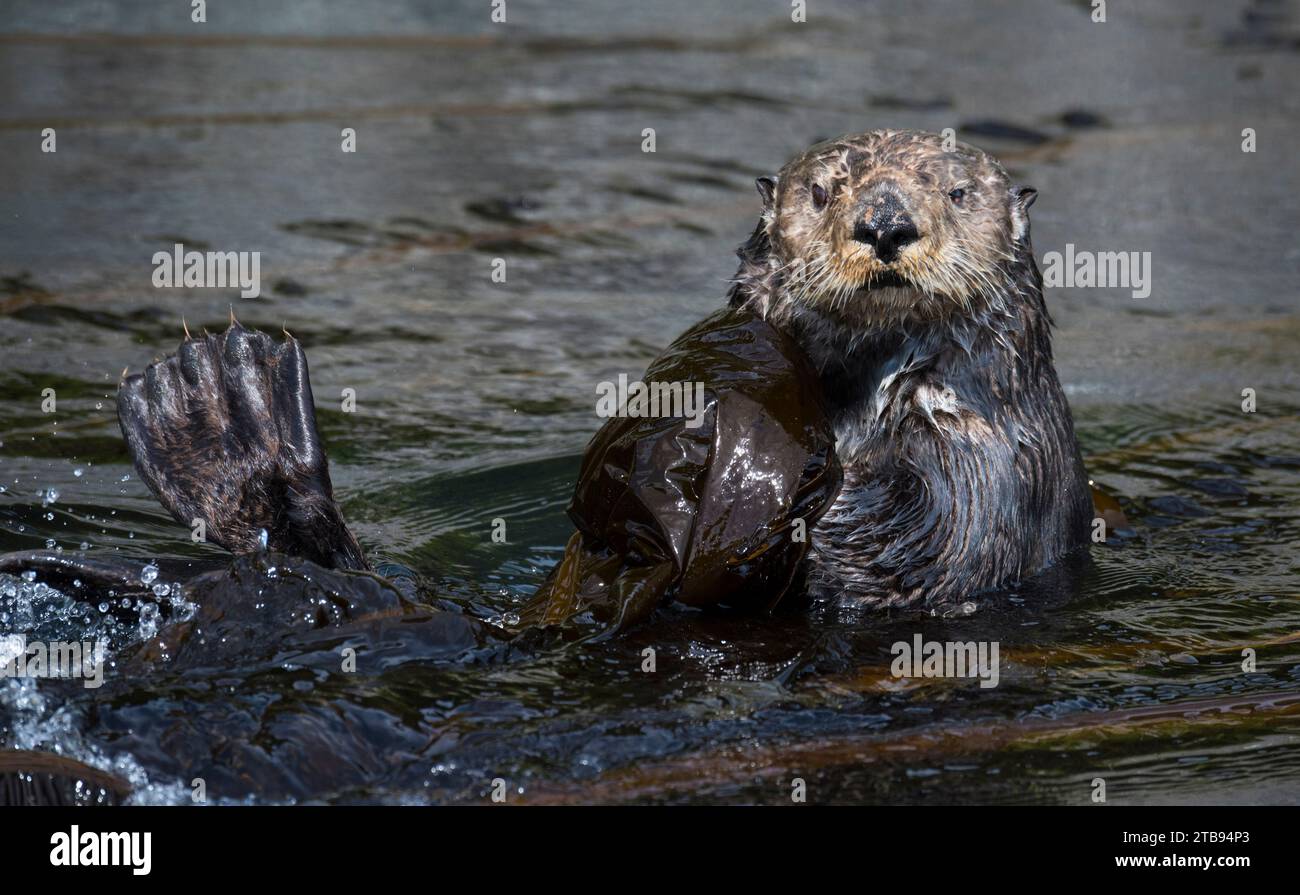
(224, 434)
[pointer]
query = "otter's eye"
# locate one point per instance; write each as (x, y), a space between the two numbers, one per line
(957, 195)
(819, 197)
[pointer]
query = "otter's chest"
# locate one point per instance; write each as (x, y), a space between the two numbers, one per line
(899, 418)
(947, 490)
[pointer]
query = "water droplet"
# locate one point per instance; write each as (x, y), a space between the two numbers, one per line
(148, 621)
(148, 574)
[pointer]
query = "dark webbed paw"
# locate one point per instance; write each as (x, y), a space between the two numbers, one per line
(224, 431)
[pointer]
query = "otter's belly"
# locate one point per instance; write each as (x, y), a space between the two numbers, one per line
(957, 516)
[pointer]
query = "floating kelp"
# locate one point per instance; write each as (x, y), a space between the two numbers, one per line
(42, 778)
(734, 765)
(709, 511)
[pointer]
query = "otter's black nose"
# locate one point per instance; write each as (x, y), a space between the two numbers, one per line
(888, 229)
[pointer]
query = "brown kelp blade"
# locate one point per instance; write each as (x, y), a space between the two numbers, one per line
(713, 508)
(42, 778)
(735, 765)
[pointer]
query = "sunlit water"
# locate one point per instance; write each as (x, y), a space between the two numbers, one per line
(474, 398)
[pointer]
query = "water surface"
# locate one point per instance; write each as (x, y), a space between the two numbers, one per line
(475, 398)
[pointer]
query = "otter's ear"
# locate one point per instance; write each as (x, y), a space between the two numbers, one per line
(1021, 198)
(767, 190)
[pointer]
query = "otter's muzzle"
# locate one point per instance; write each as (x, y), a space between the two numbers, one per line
(887, 229)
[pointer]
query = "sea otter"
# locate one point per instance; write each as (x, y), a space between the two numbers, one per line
(901, 269)
(883, 422)
(902, 265)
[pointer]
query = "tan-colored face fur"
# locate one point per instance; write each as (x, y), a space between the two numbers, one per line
(959, 216)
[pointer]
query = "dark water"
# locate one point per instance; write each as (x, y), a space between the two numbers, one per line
(474, 398)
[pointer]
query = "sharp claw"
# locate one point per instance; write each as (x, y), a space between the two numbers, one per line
(122, 378)
(233, 321)
(186, 328)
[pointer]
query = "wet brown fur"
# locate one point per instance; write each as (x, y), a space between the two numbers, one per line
(962, 472)
(224, 431)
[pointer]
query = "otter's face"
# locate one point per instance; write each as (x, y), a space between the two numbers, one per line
(890, 226)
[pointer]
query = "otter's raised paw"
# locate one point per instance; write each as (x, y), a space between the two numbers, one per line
(224, 432)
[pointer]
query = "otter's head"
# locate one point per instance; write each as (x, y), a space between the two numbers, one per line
(884, 228)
